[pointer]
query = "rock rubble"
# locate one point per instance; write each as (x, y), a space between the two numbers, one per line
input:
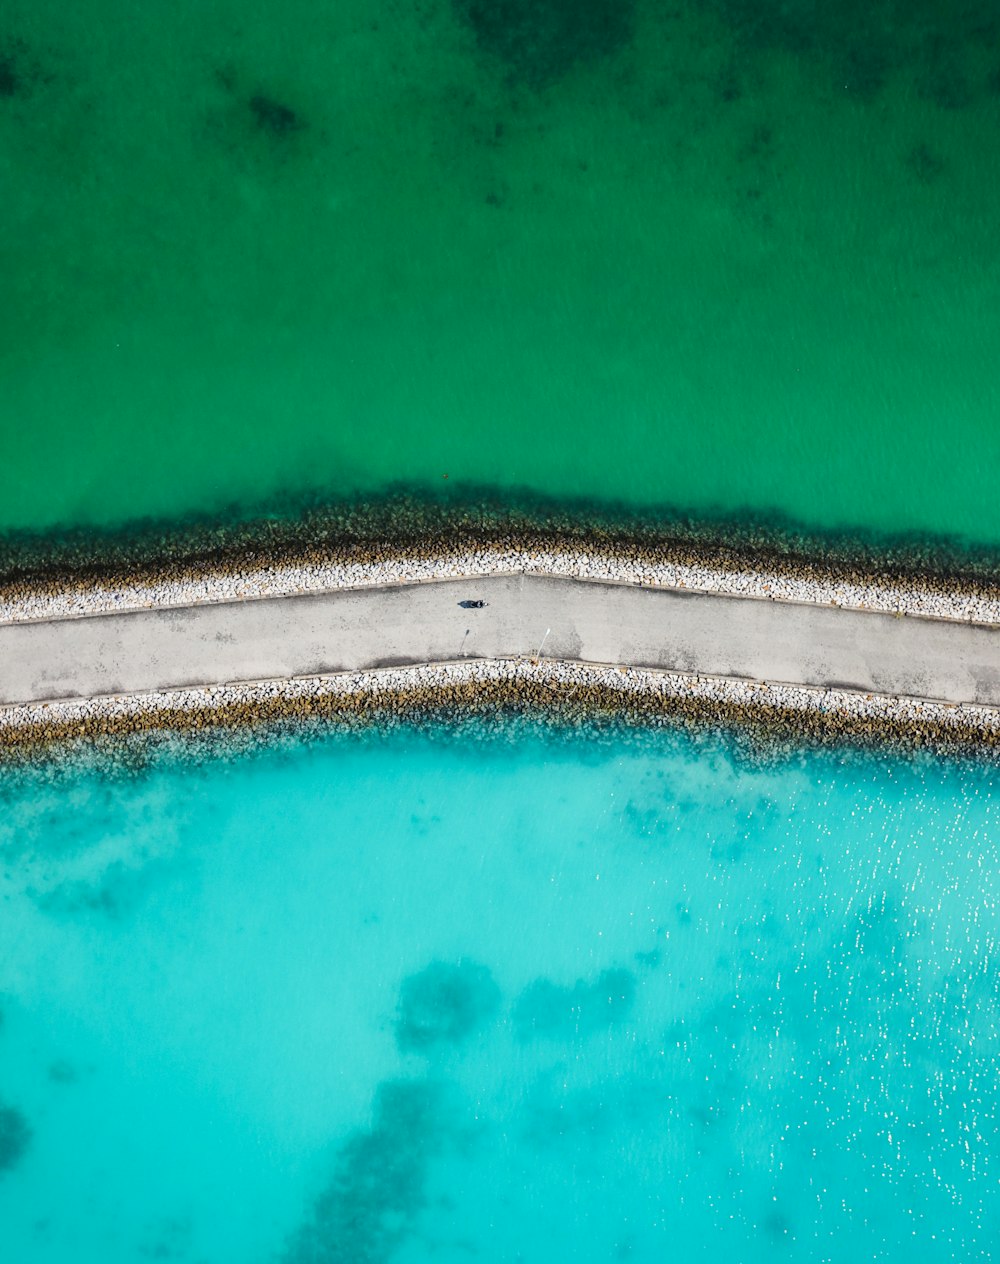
(574, 694)
(768, 579)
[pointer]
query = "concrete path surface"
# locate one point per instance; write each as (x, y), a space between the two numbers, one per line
(571, 619)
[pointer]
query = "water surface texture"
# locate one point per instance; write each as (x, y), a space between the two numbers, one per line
(412, 1001)
(725, 254)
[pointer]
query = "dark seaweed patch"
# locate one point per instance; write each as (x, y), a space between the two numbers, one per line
(273, 117)
(862, 43)
(114, 894)
(63, 1072)
(864, 68)
(539, 41)
(379, 1181)
(925, 164)
(552, 1114)
(942, 78)
(546, 1009)
(15, 1134)
(801, 26)
(19, 71)
(728, 84)
(252, 125)
(444, 1004)
(10, 80)
(79, 898)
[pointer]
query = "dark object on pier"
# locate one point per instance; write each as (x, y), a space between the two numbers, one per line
(472, 605)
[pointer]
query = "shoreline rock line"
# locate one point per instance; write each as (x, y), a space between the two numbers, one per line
(60, 595)
(772, 717)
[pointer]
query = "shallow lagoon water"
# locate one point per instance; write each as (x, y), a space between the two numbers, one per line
(533, 1000)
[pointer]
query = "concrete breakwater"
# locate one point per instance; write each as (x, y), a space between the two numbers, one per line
(538, 639)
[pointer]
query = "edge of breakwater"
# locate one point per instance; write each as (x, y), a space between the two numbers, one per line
(774, 717)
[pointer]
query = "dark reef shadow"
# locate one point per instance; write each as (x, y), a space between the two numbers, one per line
(547, 1010)
(537, 42)
(254, 125)
(273, 117)
(444, 1004)
(859, 45)
(378, 1187)
(21, 71)
(925, 164)
(15, 1136)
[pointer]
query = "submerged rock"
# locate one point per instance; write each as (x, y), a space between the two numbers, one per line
(549, 1010)
(444, 1004)
(15, 1134)
(538, 41)
(378, 1185)
(273, 117)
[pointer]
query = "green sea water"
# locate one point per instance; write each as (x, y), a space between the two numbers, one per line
(724, 255)
(415, 1000)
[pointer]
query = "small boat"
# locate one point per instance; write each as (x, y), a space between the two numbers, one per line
(472, 605)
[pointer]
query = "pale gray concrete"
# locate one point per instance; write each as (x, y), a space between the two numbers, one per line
(422, 623)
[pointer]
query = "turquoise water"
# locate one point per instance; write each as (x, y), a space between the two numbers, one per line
(412, 999)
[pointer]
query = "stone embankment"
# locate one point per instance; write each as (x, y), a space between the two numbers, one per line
(377, 566)
(774, 717)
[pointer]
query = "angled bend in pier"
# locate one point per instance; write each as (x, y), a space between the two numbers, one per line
(577, 620)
